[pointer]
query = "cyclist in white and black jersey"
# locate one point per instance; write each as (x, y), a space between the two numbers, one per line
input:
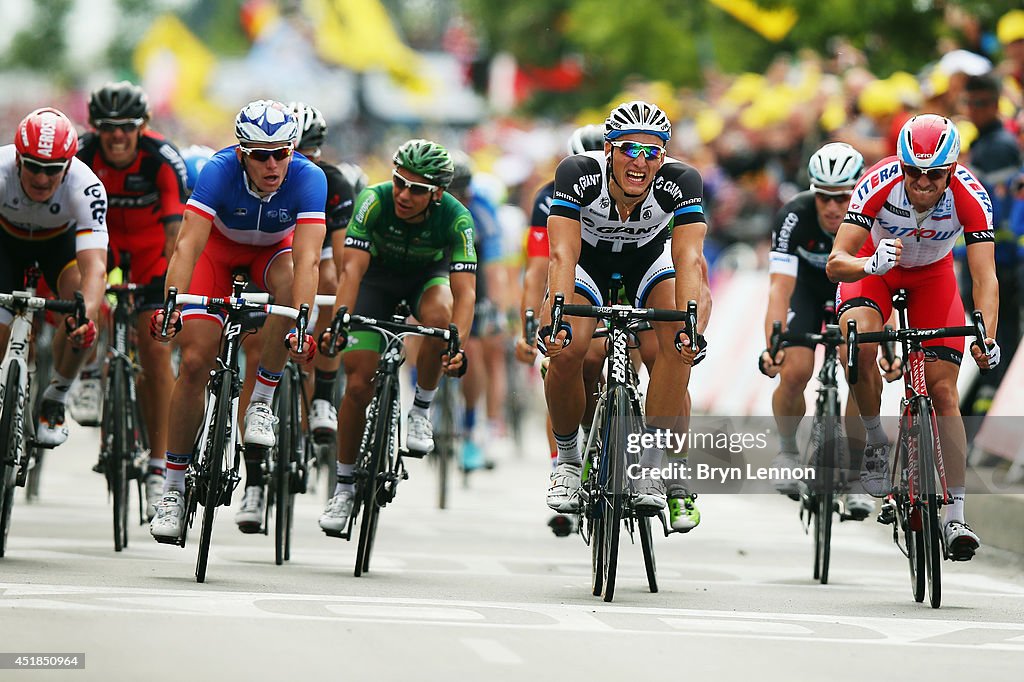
(627, 210)
(799, 288)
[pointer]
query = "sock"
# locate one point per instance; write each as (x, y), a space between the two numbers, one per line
(157, 465)
(176, 466)
(346, 481)
(875, 432)
(469, 421)
(789, 444)
(554, 459)
(955, 511)
(266, 384)
(58, 388)
(651, 456)
(323, 385)
(253, 468)
(421, 402)
(568, 448)
(496, 428)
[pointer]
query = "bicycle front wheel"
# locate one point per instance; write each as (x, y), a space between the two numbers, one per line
(444, 440)
(375, 460)
(12, 439)
(116, 420)
(826, 445)
(614, 486)
(930, 528)
(211, 468)
(282, 470)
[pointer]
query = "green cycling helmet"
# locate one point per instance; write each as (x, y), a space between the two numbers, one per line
(428, 159)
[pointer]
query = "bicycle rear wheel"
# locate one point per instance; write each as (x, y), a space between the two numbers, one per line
(909, 519)
(211, 468)
(930, 528)
(12, 439)
(647, 544)
(117, 459)
(372, 483)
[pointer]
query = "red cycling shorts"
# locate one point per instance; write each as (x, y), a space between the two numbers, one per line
(933, 298)
(220, 259)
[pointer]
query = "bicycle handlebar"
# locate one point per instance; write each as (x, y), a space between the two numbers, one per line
(831, 337)
(891, 336)
(530, 327)
(22, 298)
(343, 318)
(630, 313)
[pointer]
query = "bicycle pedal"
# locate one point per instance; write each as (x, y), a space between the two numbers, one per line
(164, 540)
(342, 534)
(562, 525)
(100, 467)
(415, 454)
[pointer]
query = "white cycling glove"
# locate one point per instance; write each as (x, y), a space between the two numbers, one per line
(884, 259)
(992, 353)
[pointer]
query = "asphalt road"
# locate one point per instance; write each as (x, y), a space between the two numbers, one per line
(484, 590)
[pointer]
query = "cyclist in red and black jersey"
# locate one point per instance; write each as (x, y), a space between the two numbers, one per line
(145, 178)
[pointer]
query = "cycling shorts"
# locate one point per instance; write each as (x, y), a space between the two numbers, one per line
(807, 310)
(641, 270)
(933, 300)
(54, 256)
(213, 275)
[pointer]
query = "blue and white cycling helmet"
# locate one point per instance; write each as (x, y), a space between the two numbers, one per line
(266, 121)
(195, 157)
(637, 117)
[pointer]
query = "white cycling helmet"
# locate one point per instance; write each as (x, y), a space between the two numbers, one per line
(266, 121)
(637, 117)
(589, 138)
(837, 164)
(312, 125)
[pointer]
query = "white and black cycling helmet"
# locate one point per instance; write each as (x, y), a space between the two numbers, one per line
(837, 164)
(589, 138)
(312, 125)
(266, 121)
(637, 117)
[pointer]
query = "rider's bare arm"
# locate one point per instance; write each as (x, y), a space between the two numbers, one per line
(192, 238)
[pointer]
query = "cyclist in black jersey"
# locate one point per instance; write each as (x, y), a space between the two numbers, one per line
(628, 210)
(801, 242)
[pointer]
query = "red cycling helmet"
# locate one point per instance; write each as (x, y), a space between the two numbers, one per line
(928, 141)
(47, 135)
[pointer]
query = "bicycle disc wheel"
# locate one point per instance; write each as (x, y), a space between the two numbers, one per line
(282, 468)
(615, 487)
(117, 458)
(211, 464)
(9, 438)
(372, 483)
(930, 528)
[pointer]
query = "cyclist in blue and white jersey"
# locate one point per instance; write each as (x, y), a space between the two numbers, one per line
(253, 206)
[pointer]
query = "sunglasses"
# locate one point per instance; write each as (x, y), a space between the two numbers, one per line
(40, 168)
(264, 155)
(415, 188)
(932, 173)
(109, 125)
(839, 198)
(634, 149)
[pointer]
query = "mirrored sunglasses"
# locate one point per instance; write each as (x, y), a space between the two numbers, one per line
(264, 155)
(415, 188)
(109, 125)
(41, 168)
(932, 173)
(634, 149)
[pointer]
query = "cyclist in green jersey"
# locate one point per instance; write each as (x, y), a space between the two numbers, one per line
(408, 240)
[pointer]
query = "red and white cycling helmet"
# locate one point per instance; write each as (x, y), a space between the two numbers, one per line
(928, 141)
(46, 135)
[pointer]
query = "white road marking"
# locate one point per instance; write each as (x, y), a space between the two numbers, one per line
(492, 651)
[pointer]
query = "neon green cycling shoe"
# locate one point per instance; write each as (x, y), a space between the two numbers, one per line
(683, 514)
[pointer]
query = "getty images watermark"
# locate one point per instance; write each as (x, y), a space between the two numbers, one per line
(679, 468)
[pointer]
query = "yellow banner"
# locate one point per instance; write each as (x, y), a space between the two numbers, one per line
(773, 24)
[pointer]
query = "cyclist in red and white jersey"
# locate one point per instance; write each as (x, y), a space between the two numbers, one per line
(53, 212)
(145, 177)
(905, 215)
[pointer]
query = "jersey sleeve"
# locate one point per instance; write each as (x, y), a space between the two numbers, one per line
(170, 182)
(681, 188)
(973, 207)
(340, 200)
(91, 216)
(487, 231)
(211, 186)
(577, 183)
(367, 211)
(311, 199)
(782, 258)
(463, 251)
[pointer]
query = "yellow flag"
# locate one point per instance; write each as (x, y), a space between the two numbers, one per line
(773, 24)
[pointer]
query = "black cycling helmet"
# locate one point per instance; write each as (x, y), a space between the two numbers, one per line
(428, 159)
(463, 173)
(118, 101)
(312, 125)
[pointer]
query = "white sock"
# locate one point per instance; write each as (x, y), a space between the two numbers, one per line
(58, 388)
(344, 471)
(421, 401)
(955, 510)
(875, 433)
